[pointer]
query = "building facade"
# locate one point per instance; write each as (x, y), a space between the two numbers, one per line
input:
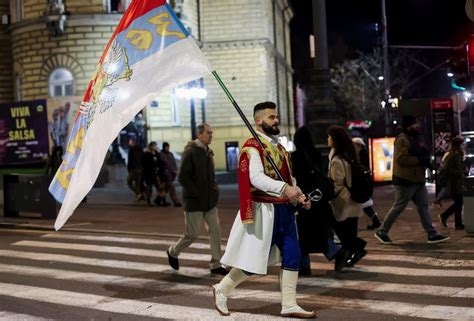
(52, 48)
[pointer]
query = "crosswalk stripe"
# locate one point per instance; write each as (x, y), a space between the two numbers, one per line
(205, 246)
(110, 249)
(83, 300)
(420, 260)
(422, 272)
(321, 282)
(129, 240)
(117, 305)
(12, 316)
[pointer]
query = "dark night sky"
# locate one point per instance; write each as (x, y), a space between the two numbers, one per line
(351, 27)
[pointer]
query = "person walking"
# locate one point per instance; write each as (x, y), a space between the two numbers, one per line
(200, 195)
(454, 177)
(134, 167)
(150, 174)
(410, 159)
(266, 220)
(54, 160)
(368, 207)
(168, 172)
(346, 211)
(315, 233)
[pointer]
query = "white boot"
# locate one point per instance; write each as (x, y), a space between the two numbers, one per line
(223, 289)
(289, 307)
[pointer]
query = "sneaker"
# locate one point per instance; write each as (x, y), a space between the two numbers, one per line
(443, 221)
(220, 270)
(437, 239)
(173, 261)
(384, 239)
(220, 300)
(459, 227)
(356, 257)
(139, 198)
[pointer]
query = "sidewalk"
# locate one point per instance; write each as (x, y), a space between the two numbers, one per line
(112, 210)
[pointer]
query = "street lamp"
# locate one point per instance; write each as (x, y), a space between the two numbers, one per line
(191, 92)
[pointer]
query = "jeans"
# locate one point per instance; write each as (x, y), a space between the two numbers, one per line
(403, 194)
(194, 222)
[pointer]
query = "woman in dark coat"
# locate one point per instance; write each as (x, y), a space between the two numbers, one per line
(454, 177)
(314, 225)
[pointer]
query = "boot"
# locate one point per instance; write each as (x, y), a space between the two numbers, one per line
(375, 223)
(289, 307)
(223, 289)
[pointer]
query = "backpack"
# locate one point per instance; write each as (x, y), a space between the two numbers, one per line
(362, 185)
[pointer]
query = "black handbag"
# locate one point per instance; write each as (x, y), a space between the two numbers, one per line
(322, 187)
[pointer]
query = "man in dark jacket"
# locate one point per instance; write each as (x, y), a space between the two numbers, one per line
(410, 159)
(200, 194)
(134, 167)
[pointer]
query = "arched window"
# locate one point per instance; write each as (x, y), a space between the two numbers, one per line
(61, 83)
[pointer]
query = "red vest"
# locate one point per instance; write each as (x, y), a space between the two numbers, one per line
(247, 192)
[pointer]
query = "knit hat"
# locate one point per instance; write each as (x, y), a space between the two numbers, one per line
(408, 120)
(358, 140)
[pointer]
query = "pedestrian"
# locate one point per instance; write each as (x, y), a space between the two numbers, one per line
(454, 176)
(315, 233)
(168, 172)
(443, 192)
(368, 207)
(54, 160)
(200, 194)
(134, 167)
(265, 222)
(346, 211)
(411, 158)
(150, 174)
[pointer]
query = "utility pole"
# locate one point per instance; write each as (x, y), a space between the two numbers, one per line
(386, 70)
(318, 104)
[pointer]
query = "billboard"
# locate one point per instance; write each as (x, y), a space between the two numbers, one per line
(23, 133)
(381, 158)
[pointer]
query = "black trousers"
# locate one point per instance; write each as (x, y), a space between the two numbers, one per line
(456, 209)
(346, 231)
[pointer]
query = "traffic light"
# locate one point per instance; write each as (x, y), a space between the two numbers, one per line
(459, 66)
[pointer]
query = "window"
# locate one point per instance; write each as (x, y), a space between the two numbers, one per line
(61, 83)
(118, 5)
(16, 8)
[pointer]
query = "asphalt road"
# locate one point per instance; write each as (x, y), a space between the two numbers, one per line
(109, 263)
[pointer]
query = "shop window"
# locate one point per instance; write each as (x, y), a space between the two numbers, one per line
(61, 83)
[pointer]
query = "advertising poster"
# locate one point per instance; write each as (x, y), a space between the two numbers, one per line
(23, 133)
(381, 158)
(443, 125)
(61, 113)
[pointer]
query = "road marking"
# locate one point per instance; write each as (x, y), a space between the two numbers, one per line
(420, 260)
(129, 240)
(12, 316)
(110, 249)
(145, 308)
(205, 257)
(118, 305)
(320, 284)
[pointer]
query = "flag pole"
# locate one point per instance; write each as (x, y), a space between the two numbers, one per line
(247, 123)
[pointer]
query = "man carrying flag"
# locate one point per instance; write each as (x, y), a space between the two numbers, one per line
(150, 51)
(265, 225)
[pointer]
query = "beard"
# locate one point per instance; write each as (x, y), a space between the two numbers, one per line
(270, 130)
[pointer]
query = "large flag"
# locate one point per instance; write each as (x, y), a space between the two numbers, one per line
(150, 51)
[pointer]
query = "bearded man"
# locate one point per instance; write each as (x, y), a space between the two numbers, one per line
(264, 230)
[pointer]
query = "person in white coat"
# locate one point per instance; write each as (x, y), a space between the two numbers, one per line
(346, 211)
(265, 226)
